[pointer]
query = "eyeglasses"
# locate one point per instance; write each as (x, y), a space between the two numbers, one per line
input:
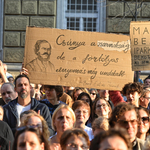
(125, 123)
(93, 93)
(79, 112)
(145, 119)
(103, 105)
(74, 146)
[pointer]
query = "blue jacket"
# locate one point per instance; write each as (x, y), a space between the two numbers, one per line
(11, 114)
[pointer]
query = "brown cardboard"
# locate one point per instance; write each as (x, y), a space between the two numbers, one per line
(140, 45)
(80, 59)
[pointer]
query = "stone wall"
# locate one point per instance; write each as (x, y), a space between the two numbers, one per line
(121, 13)
(17, 15)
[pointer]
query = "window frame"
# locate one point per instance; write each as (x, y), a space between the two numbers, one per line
(61, 20)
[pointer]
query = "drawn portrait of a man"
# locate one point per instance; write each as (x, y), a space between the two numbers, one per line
(42, 62)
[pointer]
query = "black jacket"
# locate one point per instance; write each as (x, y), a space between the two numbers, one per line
(6, 136)
(11, 114)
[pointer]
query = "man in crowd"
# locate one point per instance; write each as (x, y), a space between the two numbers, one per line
(53, 94)
(22, 103)
(126, 116)
(133, 92)
(8, 92)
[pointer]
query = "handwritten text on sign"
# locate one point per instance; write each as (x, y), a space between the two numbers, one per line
(79, 59)
(140, 45)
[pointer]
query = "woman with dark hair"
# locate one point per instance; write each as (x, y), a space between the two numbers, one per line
(28, 138)
(102, 108)
(93, 94)
(143, 124)
(86, 98)
(73, 139)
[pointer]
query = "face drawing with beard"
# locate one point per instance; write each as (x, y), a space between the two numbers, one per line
(44, 51)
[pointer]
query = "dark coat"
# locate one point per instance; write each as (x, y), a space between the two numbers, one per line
(6, 136)
(11, 114)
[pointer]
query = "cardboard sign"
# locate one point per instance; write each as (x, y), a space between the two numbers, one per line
(140, 45)
(76, 58)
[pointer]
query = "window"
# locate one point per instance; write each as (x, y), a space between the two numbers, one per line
(83, 15)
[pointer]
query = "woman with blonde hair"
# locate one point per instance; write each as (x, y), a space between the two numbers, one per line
(63, 119)
(34, 119)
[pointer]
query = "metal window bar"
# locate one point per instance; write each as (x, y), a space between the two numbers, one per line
(73, 8)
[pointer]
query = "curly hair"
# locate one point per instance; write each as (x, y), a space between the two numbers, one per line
(45, 129)
(119, 111)
(75, 133)
(98, 139)
(132, 87)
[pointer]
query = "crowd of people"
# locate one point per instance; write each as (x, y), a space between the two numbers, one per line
(54, 117)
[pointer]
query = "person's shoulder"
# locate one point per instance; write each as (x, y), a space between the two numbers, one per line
(4, 126)
(11, 103)
(37, 103)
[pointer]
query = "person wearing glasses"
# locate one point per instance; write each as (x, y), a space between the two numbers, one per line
(34, 119)
(145, 99)
(74, 139)
(86, 98)
(93, 94)
(30, 138)
(126, 116)
(82, 113)
(143, 124)
(102, 108)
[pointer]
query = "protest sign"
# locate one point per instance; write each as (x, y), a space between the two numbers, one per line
(140, 45)
(77, 58)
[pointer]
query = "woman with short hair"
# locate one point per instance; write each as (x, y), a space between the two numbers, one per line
(63, 119)
(82, 113)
